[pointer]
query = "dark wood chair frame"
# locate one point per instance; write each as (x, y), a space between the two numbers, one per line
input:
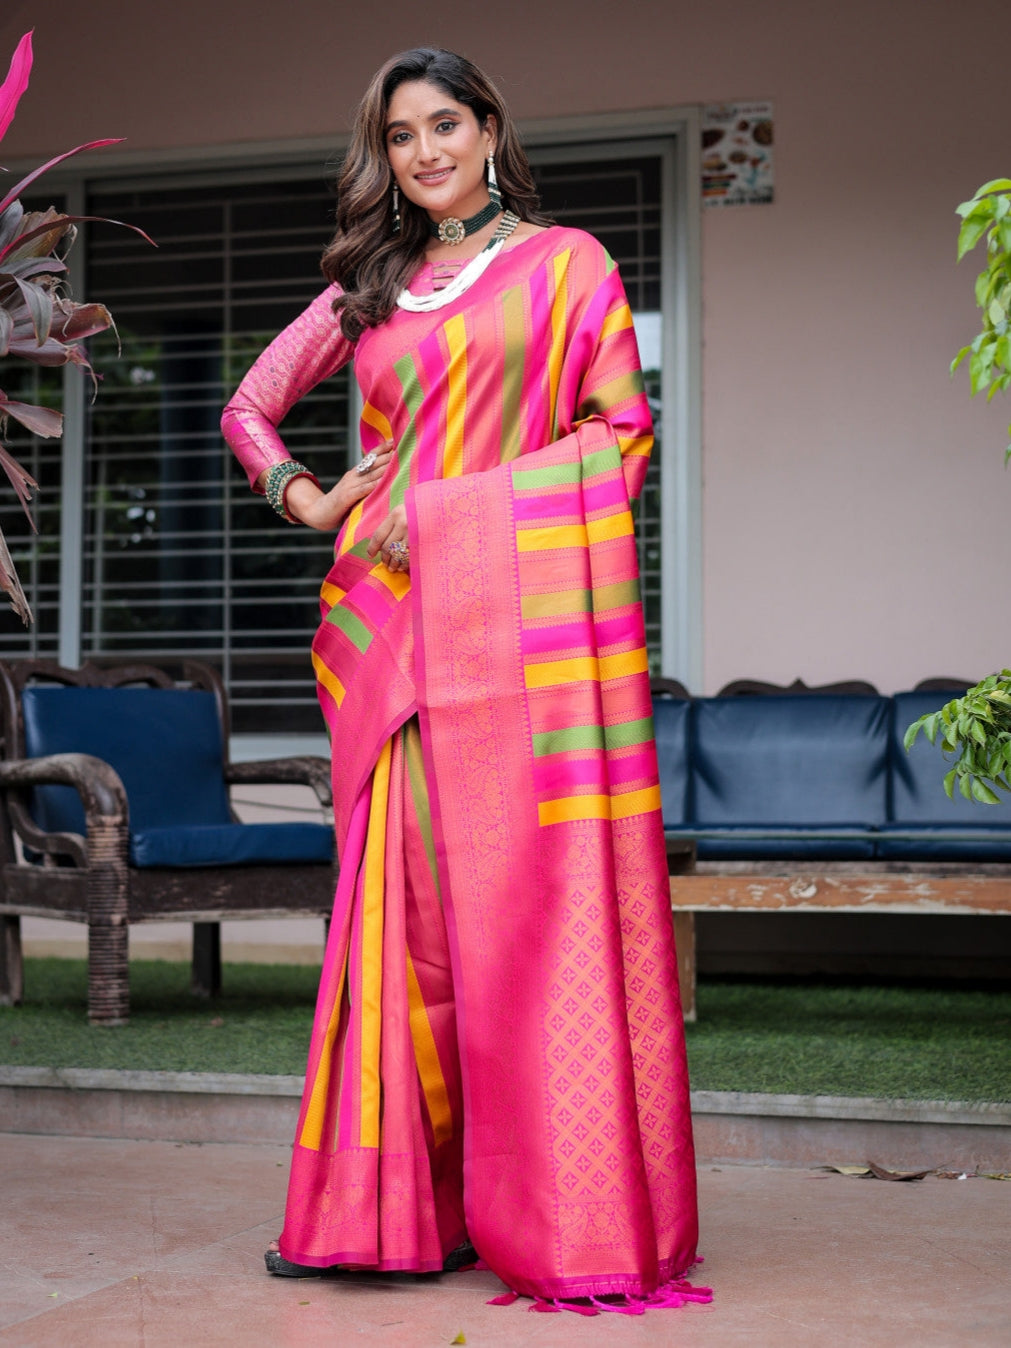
(90, 879)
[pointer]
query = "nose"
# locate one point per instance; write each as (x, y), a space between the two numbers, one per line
(426, 147)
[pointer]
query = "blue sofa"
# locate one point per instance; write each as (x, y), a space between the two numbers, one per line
(789, 802)
(816, 778)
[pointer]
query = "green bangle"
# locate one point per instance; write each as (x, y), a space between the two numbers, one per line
(279, 478)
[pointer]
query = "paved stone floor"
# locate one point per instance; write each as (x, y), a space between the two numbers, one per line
(111, 1243)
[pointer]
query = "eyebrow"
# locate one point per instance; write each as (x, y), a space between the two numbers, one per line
(435, 116)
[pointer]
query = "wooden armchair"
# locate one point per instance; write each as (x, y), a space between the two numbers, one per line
(114, 809)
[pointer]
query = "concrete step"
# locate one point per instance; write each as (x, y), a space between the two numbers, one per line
(730, 1126)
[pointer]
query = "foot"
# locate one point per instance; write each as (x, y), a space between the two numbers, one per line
(464, 1256)
(284, 1268)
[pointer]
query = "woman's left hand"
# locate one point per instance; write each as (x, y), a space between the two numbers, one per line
(390, 541)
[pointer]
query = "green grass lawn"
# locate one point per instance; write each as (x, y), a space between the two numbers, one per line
(902, 1042)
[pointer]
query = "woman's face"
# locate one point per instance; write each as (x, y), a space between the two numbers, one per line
(437, 150)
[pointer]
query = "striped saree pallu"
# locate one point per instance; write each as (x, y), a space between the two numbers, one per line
(536, 719)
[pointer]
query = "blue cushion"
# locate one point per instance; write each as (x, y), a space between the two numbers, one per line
(165, 744)
(780, 844)
(231, 844)
(954, 843)
(670, 725)
(790, 762)
(918, 795)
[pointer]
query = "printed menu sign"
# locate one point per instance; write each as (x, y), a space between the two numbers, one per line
(736, 154)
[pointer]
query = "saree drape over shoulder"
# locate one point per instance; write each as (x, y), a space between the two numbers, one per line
(498, 1048)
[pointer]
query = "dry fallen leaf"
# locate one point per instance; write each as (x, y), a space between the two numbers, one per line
(879, 1172)
(848, 1169)
(459, 1338)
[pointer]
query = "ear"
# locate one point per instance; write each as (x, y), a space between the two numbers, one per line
(490, 129)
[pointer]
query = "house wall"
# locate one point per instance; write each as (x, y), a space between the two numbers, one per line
(854, 498)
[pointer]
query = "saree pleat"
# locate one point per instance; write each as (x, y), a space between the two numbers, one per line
(376, 1174)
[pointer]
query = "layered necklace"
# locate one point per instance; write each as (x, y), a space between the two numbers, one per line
(453, 230)
(475, 268)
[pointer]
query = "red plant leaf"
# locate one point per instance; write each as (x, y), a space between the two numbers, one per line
(14, 245)
(10, 222)
(39, 235)
(16, 82)
(52, 352)
(9, 582)
(80, 320)
(16, 191)
(39, 420)
(31, 266)
(20, 479)
(39, 303)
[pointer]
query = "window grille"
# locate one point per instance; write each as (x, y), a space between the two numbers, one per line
(180, 559)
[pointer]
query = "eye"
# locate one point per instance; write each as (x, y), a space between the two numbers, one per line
(447, 125)
(399, 137)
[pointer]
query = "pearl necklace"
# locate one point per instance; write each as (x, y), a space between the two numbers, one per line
(475, 268)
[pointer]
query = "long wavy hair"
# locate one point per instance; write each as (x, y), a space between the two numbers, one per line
(365, 258)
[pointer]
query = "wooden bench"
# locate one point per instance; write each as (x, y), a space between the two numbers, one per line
(950, 888)
(799, 800)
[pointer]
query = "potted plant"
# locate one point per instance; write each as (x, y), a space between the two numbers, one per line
(976, 727)
(38, 320)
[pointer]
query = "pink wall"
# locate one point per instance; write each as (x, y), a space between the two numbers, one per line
(853, 494)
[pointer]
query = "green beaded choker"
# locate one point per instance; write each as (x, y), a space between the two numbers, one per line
(453, 230)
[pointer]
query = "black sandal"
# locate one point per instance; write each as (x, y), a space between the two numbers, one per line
(284, 1268)
(464, 1256)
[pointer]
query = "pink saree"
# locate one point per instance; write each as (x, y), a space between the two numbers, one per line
(498, 1049)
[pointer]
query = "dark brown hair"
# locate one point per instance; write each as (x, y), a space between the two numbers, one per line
(365, 258)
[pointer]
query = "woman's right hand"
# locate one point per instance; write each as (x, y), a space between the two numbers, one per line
(326, 509)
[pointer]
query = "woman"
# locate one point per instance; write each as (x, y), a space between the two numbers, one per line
(497, 1053)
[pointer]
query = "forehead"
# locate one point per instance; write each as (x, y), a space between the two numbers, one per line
(419, 101)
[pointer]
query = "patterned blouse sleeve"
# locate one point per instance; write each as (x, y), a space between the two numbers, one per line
(305, 353)
(608, 373)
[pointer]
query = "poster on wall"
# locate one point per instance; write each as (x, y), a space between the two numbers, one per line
(737, 154)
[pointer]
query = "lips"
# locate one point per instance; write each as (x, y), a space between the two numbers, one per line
(433, 178)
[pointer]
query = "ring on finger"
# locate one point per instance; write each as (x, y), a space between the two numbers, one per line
(399, 550)
(367, 464)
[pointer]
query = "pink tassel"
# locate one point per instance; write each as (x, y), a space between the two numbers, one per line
(622, 1307)
(577, 1306)
(677, 1292)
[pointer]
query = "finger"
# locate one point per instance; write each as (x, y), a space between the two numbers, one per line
(380, 538)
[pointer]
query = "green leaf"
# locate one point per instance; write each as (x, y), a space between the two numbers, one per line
(965, 788)
(958, 359)
(973, 228)
(983, 793)
(996, 312)
(949, 783)
(994, 185)
(1001, 206)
